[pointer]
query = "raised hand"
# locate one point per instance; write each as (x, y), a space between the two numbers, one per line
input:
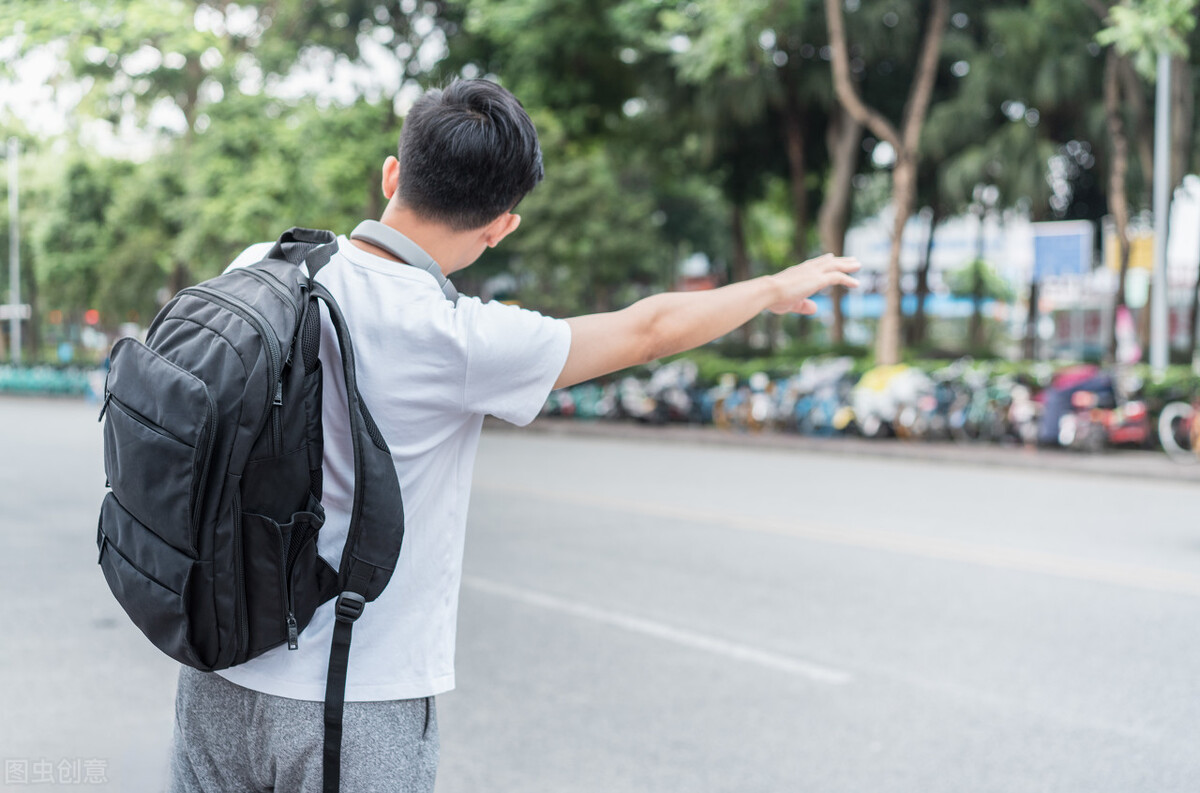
(800, 282)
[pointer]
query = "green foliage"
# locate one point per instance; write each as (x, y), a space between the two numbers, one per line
(588, 239)
(962, 282)
(1146, 28)
(770, 225)
(561, 55)
(658, 117)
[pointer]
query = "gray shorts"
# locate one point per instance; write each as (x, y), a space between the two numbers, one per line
(229, 738)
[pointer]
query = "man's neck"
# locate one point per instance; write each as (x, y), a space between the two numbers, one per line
(435, 239)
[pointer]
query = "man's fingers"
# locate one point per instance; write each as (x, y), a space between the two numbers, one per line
(839, 278)
(845, 264)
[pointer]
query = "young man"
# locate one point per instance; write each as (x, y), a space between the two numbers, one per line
(430, 366)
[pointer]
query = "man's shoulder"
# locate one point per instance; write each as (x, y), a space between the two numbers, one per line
(255, 253)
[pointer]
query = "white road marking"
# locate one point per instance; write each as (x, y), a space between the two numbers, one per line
(1017, 559)
(662, 631)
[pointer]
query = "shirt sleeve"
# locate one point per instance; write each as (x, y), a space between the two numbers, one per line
(513, 357)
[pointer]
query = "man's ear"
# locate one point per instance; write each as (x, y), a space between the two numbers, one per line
(500, 228)
(391, 177)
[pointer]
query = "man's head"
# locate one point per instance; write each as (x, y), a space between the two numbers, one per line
(468, 154)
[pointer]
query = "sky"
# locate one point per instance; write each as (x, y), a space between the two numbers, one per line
(41, 98)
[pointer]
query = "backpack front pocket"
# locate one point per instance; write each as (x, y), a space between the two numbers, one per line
(157, 442)
(159, 587)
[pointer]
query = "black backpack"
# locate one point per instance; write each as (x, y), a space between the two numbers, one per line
(213, 450)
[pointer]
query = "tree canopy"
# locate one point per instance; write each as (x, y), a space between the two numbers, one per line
(748, 132)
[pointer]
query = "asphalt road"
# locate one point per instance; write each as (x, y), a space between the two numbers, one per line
(648, 616)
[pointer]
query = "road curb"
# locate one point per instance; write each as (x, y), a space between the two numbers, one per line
(1120, 464)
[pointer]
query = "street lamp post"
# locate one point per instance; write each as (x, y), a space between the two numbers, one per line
(15, 311)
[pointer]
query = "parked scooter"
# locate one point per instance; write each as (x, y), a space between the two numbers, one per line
(1099, 417)
(672, 386)
(812, 398)
(883, 395)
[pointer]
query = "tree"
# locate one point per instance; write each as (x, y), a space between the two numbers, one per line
(843, 137)
(1138, 32)
(589, 240)
(1021, 124)
(904, 140)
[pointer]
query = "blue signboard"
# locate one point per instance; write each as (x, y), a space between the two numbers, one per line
(1062, 249)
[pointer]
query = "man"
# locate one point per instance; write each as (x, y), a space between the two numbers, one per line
(430, 366)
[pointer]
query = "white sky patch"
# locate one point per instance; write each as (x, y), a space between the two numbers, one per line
(28, 95)
(883, 155)
(40, 97)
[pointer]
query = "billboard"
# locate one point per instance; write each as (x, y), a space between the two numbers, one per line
(1062, 248)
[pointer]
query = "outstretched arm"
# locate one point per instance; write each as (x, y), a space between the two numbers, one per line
(672, 322)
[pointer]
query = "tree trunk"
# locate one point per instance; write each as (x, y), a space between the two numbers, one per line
(1143, 126)
(1194, 317)
(30, 288)
(905, 141)
(1118, 200)
(793, 129)
(904, 189)
(1031, 321)
(1183, 110)
(918, 326)
(793, 119)
(842, 138)
(1143, 322)
(975, 331)
(740, 269)
(189, 104)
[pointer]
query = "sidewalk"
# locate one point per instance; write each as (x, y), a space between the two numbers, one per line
(1120, 463)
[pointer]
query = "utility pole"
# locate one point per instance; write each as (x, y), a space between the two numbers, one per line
(14, 307)
(1159, 343)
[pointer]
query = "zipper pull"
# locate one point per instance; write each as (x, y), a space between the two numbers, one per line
(278, 401)
(104, 407)
(293, 632)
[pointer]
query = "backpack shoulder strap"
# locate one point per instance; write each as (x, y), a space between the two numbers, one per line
(369, 557)
(376, 529)
(377, 500)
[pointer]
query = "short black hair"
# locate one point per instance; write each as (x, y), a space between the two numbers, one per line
(468, 154)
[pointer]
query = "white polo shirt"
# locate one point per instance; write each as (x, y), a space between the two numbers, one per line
(428, 371)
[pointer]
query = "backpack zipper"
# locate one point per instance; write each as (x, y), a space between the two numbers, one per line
(272, 344)
(206, 438)
(289, 619)
(145, 422)
(239, 570)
